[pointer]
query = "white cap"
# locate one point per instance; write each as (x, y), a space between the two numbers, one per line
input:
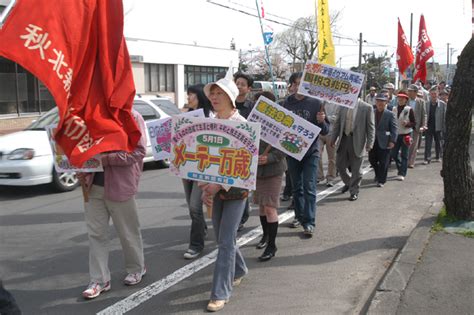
(227, 84)
(389, 86)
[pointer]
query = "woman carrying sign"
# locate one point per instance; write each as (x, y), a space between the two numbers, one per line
(271, 166)
(196, 100)
(228, 205)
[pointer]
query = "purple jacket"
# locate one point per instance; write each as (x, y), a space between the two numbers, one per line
(122, 170)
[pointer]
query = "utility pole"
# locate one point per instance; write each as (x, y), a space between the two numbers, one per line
(412, 69)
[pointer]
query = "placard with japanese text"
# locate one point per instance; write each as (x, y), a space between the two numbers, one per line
(327, 83)
(61, 162)
(215, 151)
(159, 131)
(283, 129)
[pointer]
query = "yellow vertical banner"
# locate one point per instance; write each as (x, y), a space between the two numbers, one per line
(326, 53)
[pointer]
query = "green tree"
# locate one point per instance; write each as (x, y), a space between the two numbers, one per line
(375, 69)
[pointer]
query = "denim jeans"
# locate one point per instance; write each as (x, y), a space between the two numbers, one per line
(303, 178)
(198, 224)
(402, 160)
(230, 263)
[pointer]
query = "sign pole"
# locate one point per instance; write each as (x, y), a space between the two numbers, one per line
(269, 62)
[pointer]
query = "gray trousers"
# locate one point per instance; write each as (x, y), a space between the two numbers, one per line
(346, 158)
(98, 212)
(198, 224)
(230, 263)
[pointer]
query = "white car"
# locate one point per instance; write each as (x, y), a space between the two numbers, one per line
(26, 158)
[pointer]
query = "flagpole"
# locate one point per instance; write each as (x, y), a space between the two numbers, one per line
(266, 51)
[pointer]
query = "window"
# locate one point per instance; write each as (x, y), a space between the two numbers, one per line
(201, 75)
(147, 112)
(166, 106)
(159, 78)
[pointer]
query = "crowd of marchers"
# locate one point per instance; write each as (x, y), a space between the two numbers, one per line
(387, 125)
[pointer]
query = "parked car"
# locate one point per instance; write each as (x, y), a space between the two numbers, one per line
(26, 157)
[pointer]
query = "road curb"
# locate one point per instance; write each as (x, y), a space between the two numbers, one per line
(386, 297)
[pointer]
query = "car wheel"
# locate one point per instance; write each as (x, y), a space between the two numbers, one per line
(163, 163)
(65, 181)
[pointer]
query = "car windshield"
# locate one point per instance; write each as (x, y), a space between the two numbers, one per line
(167, 106)
(49, 118)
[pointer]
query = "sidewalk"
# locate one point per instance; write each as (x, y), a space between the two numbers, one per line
(432, 274)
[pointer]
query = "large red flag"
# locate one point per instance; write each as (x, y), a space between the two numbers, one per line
(424, 51)
(77, 49)
(404, 53)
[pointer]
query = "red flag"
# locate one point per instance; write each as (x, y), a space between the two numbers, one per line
(424, 51)
(404, 54)
(77, 49)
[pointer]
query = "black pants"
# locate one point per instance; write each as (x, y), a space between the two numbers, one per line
(246, 214)
(288, 191)
(7, 303)
(379, 159)
(429, 135)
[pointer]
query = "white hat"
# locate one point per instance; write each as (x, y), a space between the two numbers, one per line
(389, 86)
(227, 84)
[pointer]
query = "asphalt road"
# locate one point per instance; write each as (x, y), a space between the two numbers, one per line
(44, 250)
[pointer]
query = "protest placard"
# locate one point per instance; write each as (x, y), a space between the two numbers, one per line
(61, 162)
(283, 129)
(328, 83)
(215, 150)
(159, 132)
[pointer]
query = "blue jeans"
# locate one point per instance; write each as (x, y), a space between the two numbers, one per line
(303, 178)
(198, 224)
(402, 160)
(230, 263)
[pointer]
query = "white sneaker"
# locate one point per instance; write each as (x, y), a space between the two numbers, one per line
(400, 178)
(426, 162)
(94, 289)
(134, 278)
(191, 254)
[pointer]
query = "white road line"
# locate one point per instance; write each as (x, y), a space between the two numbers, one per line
(179, 275)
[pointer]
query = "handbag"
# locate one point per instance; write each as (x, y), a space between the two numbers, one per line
(234, 193)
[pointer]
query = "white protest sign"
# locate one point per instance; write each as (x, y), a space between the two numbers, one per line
(159, 132)
(218, 151)
(61, 162)
(328, 83)
(283, 129)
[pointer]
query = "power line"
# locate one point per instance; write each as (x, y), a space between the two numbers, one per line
(335, 35)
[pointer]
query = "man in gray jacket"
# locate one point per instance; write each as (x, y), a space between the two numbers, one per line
(353, 130)
(436, 111)
(418, 106)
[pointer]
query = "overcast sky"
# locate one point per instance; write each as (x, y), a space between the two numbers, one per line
(204, 23)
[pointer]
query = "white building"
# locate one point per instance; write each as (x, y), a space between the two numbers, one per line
(167, 68)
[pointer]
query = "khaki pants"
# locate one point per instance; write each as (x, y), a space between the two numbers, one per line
(331, 154)
(413, 151)
(98, 212)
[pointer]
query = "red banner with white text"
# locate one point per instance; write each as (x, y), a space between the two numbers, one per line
(424, 51)
(77, 49)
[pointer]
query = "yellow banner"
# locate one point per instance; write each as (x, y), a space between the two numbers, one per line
(326, 53)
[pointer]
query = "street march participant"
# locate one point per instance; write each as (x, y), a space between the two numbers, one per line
(417, 104)
(271, 166)
(370, 98)
(392, 99)
(111, 194)
(386, 130)
(325, 141)
(304, 173)
(353, 131)
(196, 100)
(228, 204)
(406, 123)
(244, 105)
(436, 112)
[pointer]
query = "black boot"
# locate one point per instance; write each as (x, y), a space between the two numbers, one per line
(271, 248)
(264, 241)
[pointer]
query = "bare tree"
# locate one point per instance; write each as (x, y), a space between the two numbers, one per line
(300, 41)
(457, 172)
